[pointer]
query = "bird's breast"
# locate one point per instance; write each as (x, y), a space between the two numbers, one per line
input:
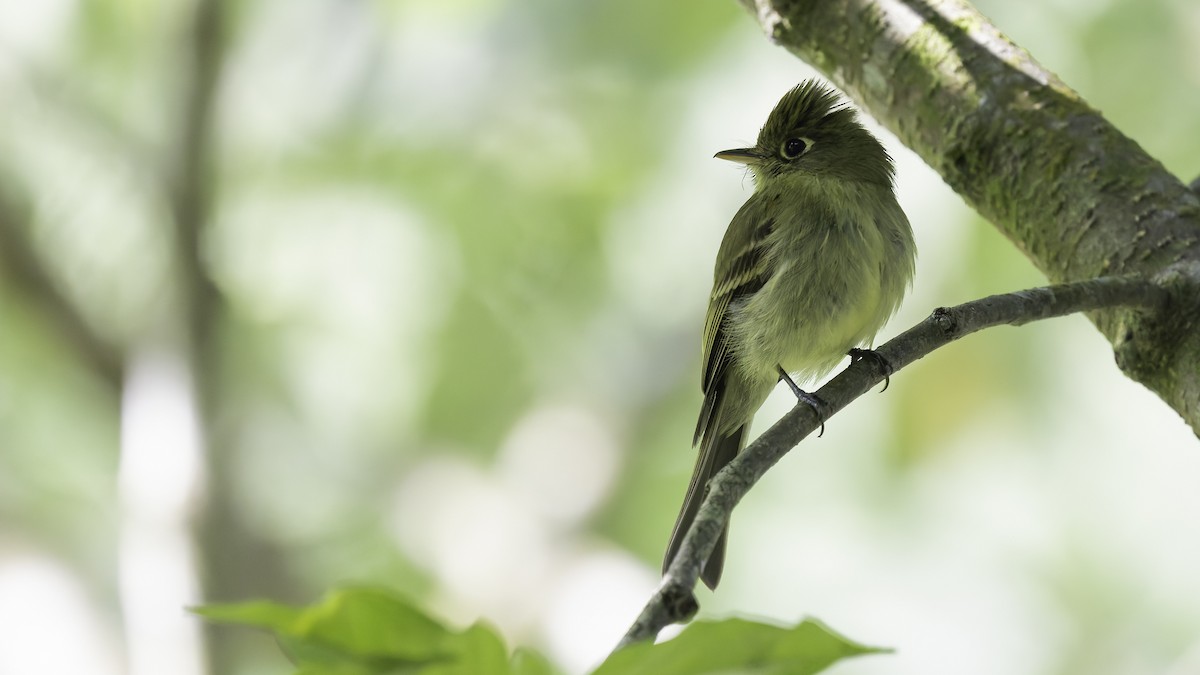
(823, 297)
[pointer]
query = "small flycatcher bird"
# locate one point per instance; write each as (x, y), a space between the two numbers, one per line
(812, 266)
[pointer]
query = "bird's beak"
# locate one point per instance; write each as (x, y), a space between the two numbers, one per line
(740, 155)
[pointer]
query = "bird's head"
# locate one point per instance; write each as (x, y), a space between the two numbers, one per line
(811, 133)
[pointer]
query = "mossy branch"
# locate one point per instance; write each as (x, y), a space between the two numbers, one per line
(1073, 193)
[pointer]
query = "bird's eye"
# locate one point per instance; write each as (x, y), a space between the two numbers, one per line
(793, 148)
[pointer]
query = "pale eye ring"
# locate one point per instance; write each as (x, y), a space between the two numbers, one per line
(794, 147)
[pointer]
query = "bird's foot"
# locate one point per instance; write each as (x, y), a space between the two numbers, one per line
(857, 354)
(812, 400)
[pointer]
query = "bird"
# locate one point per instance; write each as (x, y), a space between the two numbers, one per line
(812, 266)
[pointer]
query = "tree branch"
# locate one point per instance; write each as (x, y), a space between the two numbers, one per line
(192, 186)
(1080, 199)
(192, 189)
(19, 263)
(673, 601)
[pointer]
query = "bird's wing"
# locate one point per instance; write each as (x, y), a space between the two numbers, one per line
(742, 269)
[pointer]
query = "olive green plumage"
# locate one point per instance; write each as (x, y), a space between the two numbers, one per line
(812, 265)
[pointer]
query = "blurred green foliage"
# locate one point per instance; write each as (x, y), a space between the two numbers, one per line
(462, 250)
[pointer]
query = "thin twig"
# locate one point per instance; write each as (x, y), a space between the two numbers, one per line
(674, 602)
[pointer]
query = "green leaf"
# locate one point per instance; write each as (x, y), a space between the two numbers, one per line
(258, 613)
(478, 651)
(360, 623)
(738, 645)
(525, 661)
(344, 668)
(372, 622)
(372, 631)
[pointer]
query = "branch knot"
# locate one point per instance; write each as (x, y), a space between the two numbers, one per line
(945, 320)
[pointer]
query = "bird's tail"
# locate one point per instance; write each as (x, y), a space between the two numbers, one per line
(716, 450)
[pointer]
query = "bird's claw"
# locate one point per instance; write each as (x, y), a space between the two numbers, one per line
(811, 399)
(857, 354)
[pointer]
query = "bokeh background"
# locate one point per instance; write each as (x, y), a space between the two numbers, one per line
(445, 338)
